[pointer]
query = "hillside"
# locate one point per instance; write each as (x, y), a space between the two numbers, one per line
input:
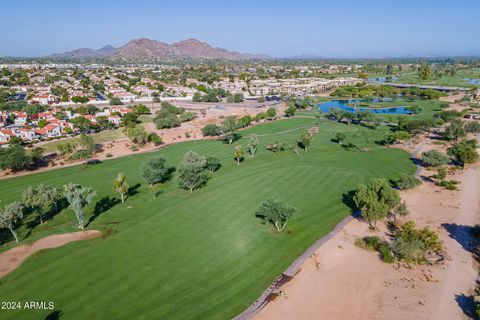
(148, 50)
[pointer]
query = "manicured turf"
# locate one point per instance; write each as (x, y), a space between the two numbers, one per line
(100, 137)
(445, 80)
(194, 256)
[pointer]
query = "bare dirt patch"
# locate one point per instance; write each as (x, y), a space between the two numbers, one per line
(13, 258)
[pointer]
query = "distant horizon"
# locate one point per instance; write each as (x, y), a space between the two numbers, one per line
(344, 29)
(294, 57)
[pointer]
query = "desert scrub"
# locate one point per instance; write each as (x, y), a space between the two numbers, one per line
(386, 253)
(448, 184)
(408, 182)
(374, 243)
(417, 245)
(368, 243)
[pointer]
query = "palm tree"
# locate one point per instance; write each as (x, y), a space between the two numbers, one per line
(238, 153)
(120, 185)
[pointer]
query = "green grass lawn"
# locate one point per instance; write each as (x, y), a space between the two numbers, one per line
(146, 118)
(100, 137)
(445, 80)
(194, 256)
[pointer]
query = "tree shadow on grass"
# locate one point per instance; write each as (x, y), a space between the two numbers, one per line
(467, 304)
(350, 147)
(48, 215)
(5, 236)
(54, 315)
(102, 205)
(133, 190)
(347, 199)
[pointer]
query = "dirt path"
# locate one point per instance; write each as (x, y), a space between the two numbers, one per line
(13, 258)
(342, 281)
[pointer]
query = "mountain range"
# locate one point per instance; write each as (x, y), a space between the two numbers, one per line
(148, 50)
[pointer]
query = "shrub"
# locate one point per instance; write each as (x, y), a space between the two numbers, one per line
(368, 243)
(167, 122)
(154, 138)
(386, 253)
(441, 173)
(413, 245)
(409, 250)
(472, 127)
(434, 158)
(80, 155)
(187, 116)
(271, 113)
(211, 130)
(408, 182)
(260, 116)
(109, 155)
(448, 184)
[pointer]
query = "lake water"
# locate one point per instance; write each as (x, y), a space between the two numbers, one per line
(472, 81)
(346, 105)
(382, 79)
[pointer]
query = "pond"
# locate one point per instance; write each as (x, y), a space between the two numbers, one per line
(352, 106)
(383, 79)
(472, 80)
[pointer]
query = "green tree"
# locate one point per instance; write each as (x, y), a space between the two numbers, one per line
(455, 130)
(79, 99)
(238, 153)
(212, 164)
(115, 101)
(305, 140)
(155, 171)
(15, 158)
(88, 144)
(82, 124)
(169, 121)
(191, 172)
(340, 137)
(120, 185)
(290, 111)
(78, 199)
(154, 138)
(42, 123)
(245, 121)
(271, 113)
(424, 71)
(211, 130)
(252, 145)
(229, 129)
(141, 109)
(138, 134)
(464, 152)
(375, 200)
(9, 217)
(130, 120)
(390, 70)
(41, 199)
(275, 212)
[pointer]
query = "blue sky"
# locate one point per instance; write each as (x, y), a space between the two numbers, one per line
(338, 28)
